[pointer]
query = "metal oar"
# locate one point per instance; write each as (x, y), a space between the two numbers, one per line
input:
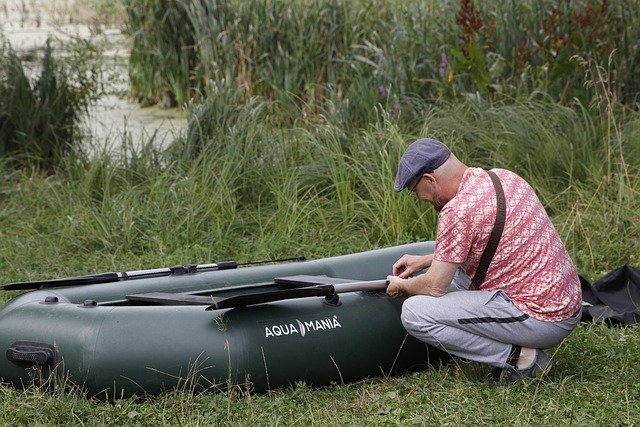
(310, 291)
(139, 274)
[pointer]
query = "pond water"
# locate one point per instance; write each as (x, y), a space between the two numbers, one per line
(27, 24)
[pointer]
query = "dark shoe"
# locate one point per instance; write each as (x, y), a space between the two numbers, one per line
(495, 375)
(541, 366)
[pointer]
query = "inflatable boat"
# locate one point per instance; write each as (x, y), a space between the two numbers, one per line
(210, 327)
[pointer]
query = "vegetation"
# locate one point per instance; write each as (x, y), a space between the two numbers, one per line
(346, 50)
(291, 149)
(40, 120)
(269, 190)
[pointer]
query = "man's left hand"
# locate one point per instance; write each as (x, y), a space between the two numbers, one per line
(396, 287)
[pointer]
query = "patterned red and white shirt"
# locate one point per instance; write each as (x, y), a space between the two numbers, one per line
(531, 265)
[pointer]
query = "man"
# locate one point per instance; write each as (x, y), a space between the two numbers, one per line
(530, 298)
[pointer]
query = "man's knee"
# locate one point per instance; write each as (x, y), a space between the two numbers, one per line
(415, 315)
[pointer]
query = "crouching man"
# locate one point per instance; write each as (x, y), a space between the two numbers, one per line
(519, 292)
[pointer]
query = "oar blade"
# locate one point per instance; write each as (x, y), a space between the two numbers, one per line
(264, 297)
(323, 290)
(57, 283)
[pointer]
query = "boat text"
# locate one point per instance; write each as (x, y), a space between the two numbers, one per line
(301, 328)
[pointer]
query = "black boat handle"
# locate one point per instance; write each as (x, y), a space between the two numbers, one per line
(33, 353)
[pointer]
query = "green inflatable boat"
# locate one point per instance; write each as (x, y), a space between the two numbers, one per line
(210, 327)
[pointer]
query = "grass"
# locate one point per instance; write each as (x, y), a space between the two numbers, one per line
(276, 191)
(263, 190)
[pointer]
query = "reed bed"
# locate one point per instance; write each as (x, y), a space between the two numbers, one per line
(344, 49)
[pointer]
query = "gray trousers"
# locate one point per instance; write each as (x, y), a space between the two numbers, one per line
(479, 325)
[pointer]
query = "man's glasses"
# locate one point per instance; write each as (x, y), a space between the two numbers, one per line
(413, 187)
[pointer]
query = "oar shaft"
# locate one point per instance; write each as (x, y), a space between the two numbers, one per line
(137, 274)
(371, 285)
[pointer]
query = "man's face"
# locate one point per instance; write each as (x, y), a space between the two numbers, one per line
(426, 188)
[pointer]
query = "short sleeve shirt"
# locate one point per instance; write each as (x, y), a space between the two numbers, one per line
(531, 265)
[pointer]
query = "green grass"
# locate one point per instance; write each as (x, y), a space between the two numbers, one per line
(314, 188)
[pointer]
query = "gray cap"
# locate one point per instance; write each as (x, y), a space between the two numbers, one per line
(422, 156)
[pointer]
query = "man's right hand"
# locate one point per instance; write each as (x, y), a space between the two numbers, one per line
(407, 265)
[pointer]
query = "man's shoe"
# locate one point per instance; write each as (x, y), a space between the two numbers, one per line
(541, 366)
(495, 375)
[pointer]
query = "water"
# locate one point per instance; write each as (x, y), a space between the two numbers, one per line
(26, 25)
(114, 118)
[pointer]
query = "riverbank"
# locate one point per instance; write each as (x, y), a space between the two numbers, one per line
(113, 118)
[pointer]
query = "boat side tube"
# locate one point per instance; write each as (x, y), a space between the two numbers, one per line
(117, 352)
(370, 265)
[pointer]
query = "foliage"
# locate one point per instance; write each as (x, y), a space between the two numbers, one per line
(162, 56)
(40, 121)
(337, 50)
(527, 47)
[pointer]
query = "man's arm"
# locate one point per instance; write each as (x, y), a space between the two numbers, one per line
(434, 282)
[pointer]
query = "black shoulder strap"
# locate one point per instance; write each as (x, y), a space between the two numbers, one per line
(496, 234)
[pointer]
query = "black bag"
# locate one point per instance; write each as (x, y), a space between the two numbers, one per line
(614, 298)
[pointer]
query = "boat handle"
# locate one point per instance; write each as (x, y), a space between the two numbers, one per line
(33, 353)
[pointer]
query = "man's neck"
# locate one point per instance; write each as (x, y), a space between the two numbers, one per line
(453, 179)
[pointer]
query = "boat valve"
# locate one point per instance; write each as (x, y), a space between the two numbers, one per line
(332, 300)
(89, 303)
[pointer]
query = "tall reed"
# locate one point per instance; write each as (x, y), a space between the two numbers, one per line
(162, 55)
(339, 49)
(40, 120)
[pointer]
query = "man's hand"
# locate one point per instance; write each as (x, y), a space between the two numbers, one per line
(395, 289)
(407, 265)
(434, 282)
